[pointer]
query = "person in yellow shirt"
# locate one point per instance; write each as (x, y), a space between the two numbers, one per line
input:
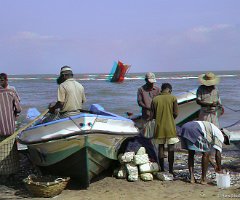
(71, 95)
(164, 110)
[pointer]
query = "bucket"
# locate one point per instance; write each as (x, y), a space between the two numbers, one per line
(223, 180)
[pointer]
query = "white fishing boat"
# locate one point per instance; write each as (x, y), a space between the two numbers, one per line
(81, 146)
(188, 109)
(84, 145)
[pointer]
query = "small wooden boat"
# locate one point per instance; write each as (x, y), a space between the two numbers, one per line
(118, 72)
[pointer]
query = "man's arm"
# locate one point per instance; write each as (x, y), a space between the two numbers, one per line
(175, 109)
(217, 166)
(16, 104)
(56, 106)
(140, 99)
(218, 159)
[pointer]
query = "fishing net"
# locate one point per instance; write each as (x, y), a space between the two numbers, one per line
(9, 159)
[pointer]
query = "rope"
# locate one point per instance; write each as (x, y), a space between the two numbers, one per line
(231, 109)
(23, 128)
(232, 124)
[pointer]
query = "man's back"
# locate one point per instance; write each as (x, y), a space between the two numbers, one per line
(72, 94)
(163, 110)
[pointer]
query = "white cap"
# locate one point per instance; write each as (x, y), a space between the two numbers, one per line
(151, 77)
(66, 69)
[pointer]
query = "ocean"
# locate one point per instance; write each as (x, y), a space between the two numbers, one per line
(37, 91)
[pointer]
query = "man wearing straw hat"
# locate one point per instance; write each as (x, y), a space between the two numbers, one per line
(208, 98)
(9, 108)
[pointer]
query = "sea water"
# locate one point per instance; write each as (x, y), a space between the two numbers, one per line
(39, 90)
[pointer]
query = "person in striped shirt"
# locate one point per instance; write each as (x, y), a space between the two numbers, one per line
(9, 108)
(6, 85)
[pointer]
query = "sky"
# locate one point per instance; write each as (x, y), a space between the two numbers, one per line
(39, 37)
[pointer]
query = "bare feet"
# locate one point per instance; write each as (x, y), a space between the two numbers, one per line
(193, 180)
(203, 182)
(171, 172)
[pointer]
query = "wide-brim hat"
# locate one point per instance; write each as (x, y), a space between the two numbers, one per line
(208, 79)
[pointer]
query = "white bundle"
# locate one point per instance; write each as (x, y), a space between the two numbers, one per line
(149, 167)
(120, 158)
(132, 177)
(146, 177)
(120, 172)
(164, 176)
(132, 172)
(141, 151)
(140, 159)
(126, 157)
(131, 169)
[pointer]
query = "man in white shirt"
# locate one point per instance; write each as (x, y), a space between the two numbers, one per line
(71, 95)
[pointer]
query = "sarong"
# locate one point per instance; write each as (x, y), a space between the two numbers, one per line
(201, 145)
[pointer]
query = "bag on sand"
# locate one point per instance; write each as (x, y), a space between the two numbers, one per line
(146, 177)
(164, 176)
(149, 167)
(120, 172)
(126, 157)
(140, 159)
(132, 172)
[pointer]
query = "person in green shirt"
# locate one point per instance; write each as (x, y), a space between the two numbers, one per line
(164, 110)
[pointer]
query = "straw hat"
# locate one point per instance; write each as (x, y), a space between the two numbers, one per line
(150, 77)
(208, 79)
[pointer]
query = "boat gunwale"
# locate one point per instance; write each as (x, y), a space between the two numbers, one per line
(82, 115)
(78, 133)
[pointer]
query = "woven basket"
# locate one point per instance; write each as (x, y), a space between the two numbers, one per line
(45, 186)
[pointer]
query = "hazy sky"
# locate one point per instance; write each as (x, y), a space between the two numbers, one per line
(151, 35)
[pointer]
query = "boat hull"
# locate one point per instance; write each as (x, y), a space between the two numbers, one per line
(188, 109)
(81, 157)
(83, 166)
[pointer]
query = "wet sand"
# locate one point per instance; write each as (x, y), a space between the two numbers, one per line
(108, 187)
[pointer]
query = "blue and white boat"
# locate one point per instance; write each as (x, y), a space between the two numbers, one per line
(81, 146)
(84, 145)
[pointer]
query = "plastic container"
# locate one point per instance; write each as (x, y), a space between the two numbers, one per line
(223, 180)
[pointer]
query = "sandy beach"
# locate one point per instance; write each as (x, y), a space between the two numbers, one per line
(108, 187)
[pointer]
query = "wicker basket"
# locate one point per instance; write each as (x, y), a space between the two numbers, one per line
(45, 186)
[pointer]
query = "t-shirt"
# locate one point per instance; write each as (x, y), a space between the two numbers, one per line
(196, 129)
(144, 98)
(213, 134)
(162, 107)
(71, 93)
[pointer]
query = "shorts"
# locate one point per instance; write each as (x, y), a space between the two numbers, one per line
(166, 140)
